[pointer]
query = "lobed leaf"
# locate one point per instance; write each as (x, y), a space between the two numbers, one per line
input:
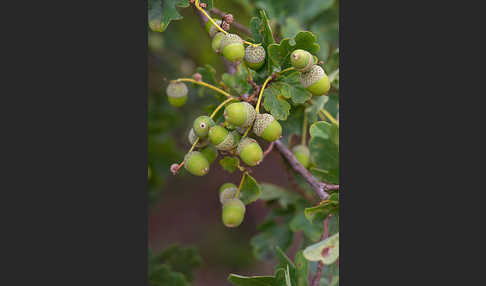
(315, 252)
(280, 53)
(161, 12)
(250, 190)
(230, 164)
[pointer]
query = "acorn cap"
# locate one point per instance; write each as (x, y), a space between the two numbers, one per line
(301, 60)
(196, 164)
(254, 57)
(267, 127)
(192, 138)
(312, 76)
(176, 89)
(230, 39)
(261, 123)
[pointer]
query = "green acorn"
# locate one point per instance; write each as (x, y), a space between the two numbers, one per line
(254, 57)
(216, 42)
(232, 47)
(211, 29)
(301, 152)
(210, 152)
(196, 163)
(233, 212)
(240, 114)
(201, 126)
(249, 151)
(177, 93)
(267, 127)
(301, 60)
(227, 191)
(192, 138)
(222, 138)
(315, 80)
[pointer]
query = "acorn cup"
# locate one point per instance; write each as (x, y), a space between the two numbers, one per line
(227, 191)
(196, 164)
(192, 138)
(301, 152)
(254, 57)
(223, 139)
(315, 80)
(177, 93)
(232, 47)
(302, 60)
(241, 114)
(201, 126)
(249, 151)
(233, 212)
(267, 127)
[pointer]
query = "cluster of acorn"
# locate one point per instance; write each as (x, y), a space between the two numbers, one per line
(233, 208)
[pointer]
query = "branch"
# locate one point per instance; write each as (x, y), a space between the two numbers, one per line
(234, 24)
(320, 188)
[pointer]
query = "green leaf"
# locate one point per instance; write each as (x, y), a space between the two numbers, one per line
(162, 275)
(291, 84)
(280, 53)
(250, 190)
(230, 164)
(273, 192)
(312, 229)
(314, 109)
(275, 101)
(237, 82)
(261, 32)
(160, 13)
(309, 9)
(291, 27)
(181, 259)
(302, 269)
(324, 151)
(208, 74)
(314, 252)
(323, 210)
(271, 236)
(252, 280)
(284, 262)
(332, 63)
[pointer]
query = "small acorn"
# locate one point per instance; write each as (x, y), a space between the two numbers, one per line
(240, 114)
(301, 152)
(227, 191)
(267, 127)
(301, 60)
(315, 80)
(177, 93)
(216, 42)
(233, 212)
(211, 29)
(201, 126)
(254, 57)
(196, 164)
(232, 47)
(249, 151)
(192, 138)
(222, 138)
(210, 152)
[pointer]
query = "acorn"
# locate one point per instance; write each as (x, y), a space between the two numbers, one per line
(192, 138)
(216, 42)
(211, 29)
(249, 151)
(222, 138)
(302, 60)
(201, 126)
(196, 164)
(177, 93)
(267, 127)
(227, 191)
(232, 47)
(233, 212)
(301, 152)
(210, 152)
(254, 57)
(240, 114)
(315, 80)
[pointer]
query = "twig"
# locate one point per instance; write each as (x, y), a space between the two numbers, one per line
(320, 266)
(234, 24)
(295, 185)
(269, 149)
(320, 188)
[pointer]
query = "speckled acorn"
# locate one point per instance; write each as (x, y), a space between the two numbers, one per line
(301, 152)
(315, 80)
(249, 151)
(201, 126)
(267, 127)
(301, 60)
(216, 42)
(192, 138)
(240, 114)
(196, 164)
(210, 152)
(232, 47)
(227, 191)
(177, 93)
(254, 57)
(222, 138)
(211, 29)
(233, 212)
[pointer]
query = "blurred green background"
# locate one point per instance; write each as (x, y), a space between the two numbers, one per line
(185, 209)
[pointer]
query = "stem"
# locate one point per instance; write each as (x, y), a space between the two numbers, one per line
(304, 129)
(257, 108)
(203, 84)
(249, 74)
(329, 116)
(285, 70)
(221, 106)
(241, 184)
(246, 132)
(182, 163)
